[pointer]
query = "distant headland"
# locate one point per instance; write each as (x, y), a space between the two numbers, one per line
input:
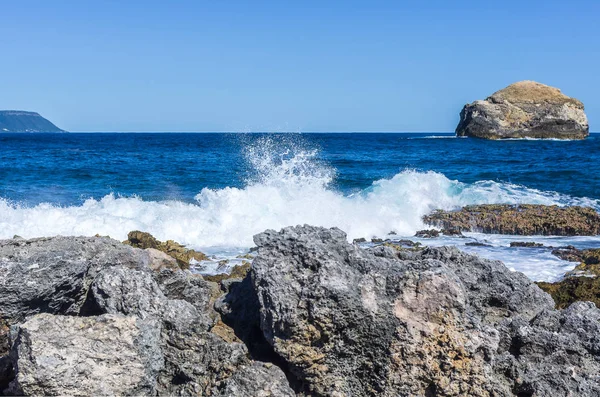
(22, 121)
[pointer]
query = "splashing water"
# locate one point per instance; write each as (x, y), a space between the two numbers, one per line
(287, 185)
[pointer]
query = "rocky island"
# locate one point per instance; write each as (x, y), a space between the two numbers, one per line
(22, 121)
(524, 110)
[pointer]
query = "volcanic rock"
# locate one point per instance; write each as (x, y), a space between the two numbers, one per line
(350, 321)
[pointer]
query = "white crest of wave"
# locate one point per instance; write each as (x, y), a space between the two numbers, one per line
(288, 187)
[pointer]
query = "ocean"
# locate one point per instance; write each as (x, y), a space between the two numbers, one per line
(214, 191)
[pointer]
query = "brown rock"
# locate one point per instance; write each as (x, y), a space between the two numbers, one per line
(525, 219)
(581, 283)
(179, 252)
(238, 271)
(525, 110)
(159, 260)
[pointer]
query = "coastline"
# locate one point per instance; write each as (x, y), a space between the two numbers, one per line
(257, 326)
(198, 306)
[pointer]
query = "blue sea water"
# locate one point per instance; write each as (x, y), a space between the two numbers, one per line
(215, 191)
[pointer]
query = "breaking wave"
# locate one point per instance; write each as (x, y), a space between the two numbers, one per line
(287, 185)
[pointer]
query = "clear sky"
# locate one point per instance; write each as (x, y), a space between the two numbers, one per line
(287, 66)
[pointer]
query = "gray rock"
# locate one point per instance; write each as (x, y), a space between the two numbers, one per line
(196, 362)
(144, 331)
(53, 275)
(257, 380)
(524, 110)
(85, 356)
(192, 288)
(349, 321)
(126, 291)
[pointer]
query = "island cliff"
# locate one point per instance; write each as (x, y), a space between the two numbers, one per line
(524, 110)
(22, 121)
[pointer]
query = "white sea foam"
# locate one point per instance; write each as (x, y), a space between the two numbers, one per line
(439, 137)
(288, 186)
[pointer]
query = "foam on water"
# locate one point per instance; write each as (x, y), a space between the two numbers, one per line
(287, 186)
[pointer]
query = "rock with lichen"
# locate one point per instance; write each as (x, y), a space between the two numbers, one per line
(361, 322)
(238, 271)
(524, 219)
(173, 249)
(580, 284)
(525, 109)
(86, 356)
(92, 316)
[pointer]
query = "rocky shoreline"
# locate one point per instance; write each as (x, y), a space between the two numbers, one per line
(313, 315)
(524, 219)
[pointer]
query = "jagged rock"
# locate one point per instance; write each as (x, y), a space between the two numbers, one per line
(257, 380)
(52, 275)
(6, 367)
(524, 110)
(239, 309)
(568, 253)
(104, 280)
(175, 250)
(349, 321)
(477, 244)
(524, 219)
(125, 291)
(86, 356)
(189, 287)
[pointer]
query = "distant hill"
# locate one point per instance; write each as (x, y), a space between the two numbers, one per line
(21, 121)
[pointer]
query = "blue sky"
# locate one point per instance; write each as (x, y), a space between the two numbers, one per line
(287, 66)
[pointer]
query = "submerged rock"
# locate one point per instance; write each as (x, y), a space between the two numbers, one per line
(429, 233)
(570, 253)
(524, 110)
(580, 284)
(524, 219)
(350, 321)
(173, 249)
(526, 244)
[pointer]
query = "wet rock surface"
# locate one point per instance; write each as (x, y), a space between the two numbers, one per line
(429, 233)
(525, 109)
(525, 219)
(526, 244)
(238, 271)
(580, 284)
